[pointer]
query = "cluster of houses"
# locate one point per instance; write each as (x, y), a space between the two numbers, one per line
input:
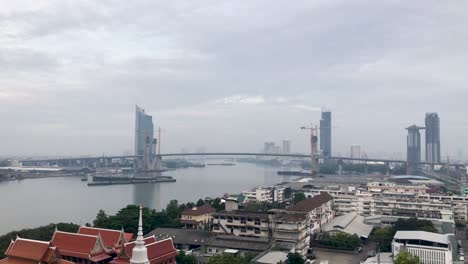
(92, 246)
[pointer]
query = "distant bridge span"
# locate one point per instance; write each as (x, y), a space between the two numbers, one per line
(235, 154)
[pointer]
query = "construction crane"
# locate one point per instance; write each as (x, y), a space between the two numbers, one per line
(314, 155)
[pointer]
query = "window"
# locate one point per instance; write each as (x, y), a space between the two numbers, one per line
(257, 221)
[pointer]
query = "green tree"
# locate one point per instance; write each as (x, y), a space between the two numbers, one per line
(228, 259)
(172, 209)
(216, 204)
(299, 196)
(288, 192)
(183, 258)
(101, 219)
(404, 257)
(200, 202)
(295, 258)
(383, 236)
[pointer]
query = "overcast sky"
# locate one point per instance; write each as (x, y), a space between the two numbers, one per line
(229, 75)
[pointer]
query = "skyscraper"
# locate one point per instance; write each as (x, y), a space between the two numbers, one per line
(432, 137)
(286, 146)
(413, 150)
(145, 143)
(325, 133)
(356, 152)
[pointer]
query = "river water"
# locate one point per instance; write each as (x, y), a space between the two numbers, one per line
(35, 202)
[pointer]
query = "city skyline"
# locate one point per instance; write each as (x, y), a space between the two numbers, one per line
(72, 73)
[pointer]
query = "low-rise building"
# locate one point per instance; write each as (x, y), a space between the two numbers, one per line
(290, 228)
(183, 239)
(319, 208)
(431, 248)
(27, 251)
(264, 194)
(396, 188)
(241, 223)
(235, 245)
(197, 217)
(81, 248)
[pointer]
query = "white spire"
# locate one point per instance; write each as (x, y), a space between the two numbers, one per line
(140, 254)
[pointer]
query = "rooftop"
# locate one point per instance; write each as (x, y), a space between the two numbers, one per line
(241, 243)
(182, 236)
(197, 211)
(422, 235)
(351, 223)
(311, 203)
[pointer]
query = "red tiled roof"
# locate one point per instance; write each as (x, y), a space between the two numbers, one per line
(158, 251)
(49, 255)
(110, 238)
(128, 237)
(161, 250)
(311, 203)
(197, 211)
(28, 249)
(129, 246)
(71, 244)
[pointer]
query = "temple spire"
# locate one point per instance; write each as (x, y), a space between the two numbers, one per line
(140, 254)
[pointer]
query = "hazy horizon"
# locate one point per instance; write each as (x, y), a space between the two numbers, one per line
(228, 76)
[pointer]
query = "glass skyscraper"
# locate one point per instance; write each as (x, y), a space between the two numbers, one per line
(432, 137)
(144, 133)
(325, 134)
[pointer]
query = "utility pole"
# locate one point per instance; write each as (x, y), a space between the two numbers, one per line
(314, 157)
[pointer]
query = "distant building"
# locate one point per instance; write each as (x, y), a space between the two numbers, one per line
(145, 143)
(355, 152)
(432, 137)
(197, 217)
(286, 146)
(325, 134)
(431, 248)
(269, 147)
(413, 151)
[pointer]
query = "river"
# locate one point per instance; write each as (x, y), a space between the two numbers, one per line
(35, 202)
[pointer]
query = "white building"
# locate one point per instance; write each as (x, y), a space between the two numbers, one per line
(398, 188)
(431, 248)
(264, 195)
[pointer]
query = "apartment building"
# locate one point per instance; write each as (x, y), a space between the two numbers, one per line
(264, 194)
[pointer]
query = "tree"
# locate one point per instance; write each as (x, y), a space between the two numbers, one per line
(300, 196)
(101, 219)
(295, 258)
(228, 259)
(288, 192)
(200, 202)
(383, 236)
(182, 258)
(404, 257)
(172, 209)
(216, 204)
